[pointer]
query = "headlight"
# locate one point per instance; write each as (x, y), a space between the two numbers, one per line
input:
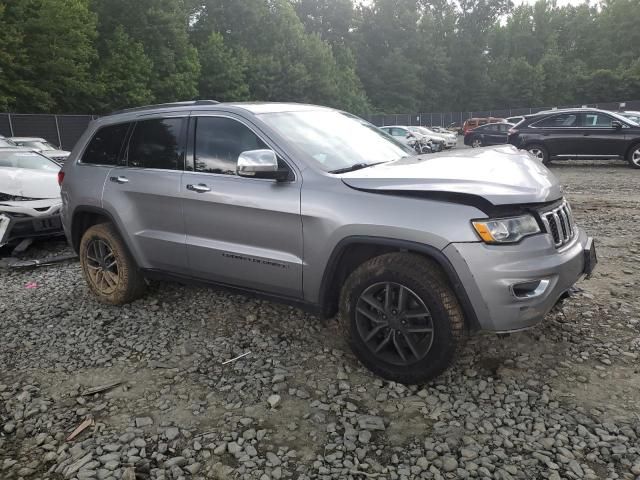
(506, 230)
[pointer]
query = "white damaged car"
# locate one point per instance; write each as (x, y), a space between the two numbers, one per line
(29, 196)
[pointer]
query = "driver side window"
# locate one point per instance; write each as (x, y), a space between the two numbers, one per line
(219, 141)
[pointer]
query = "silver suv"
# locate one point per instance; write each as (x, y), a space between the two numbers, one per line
(317, 207)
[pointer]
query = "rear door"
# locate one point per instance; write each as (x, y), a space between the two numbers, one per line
(561, 134)
(600, 138)
(240, 231)
(144, 193)
(491, 134)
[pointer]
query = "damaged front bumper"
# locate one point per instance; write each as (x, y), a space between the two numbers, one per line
(29, 219)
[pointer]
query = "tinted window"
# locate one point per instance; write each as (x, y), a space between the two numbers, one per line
(558, 121)
(219, 143)
(104, 147)
(491, 128)
(504, 127)
(597, 120)
(156, 144)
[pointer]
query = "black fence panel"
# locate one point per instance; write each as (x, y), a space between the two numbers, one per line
(500, 113)
(71, 129)
(520, 111)
(376, 119)
(36, 126)
(5, 125)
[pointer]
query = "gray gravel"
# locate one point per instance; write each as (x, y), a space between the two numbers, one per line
(561, 401)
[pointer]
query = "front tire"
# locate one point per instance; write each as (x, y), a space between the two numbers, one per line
(109, 270)
(401, 318)
(540, 152)
(633, 157)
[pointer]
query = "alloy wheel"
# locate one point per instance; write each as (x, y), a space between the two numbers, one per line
(536, 152)
(102, 266)
(394, 323)
(476, 143)
(635, 157)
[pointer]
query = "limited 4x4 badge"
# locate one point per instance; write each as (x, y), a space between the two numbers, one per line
(254, 260)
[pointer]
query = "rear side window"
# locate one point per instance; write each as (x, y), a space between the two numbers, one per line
(219, 143)
(558, 121)
(105, 146)
(157, 144)
(597, 120)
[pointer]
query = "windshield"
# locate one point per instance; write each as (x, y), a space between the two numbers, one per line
(336, 140)
(38, 145)
(29, 160)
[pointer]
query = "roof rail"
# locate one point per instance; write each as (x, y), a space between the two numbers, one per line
(165, 105)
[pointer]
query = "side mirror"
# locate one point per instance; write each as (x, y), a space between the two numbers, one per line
(260, 164)
(616, 124)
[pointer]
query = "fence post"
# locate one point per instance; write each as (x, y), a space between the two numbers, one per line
(58, 131)
(10, 125)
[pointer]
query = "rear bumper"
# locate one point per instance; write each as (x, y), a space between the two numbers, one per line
(493, 277)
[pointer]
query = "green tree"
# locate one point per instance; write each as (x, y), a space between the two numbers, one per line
(124, 73)
(223, 75)
(52, 52)
(161, 27)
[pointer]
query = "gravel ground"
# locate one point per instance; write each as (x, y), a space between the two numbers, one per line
(561, 401)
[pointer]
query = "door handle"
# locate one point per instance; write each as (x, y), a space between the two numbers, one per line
(199, 188)
(119, 180)
(586, 134)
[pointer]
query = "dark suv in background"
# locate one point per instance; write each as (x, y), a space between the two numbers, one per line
(578, 133)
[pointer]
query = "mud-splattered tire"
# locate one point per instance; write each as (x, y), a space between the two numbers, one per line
(413, 284)
(109, 270)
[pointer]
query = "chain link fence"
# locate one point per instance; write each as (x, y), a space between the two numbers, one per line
(62, 130)
(65, 130)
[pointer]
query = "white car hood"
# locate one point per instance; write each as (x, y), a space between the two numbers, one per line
(23, 182)
(501, 175)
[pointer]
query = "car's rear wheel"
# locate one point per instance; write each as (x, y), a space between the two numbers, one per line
(401, 318)
(633, 157)
(108, 268)
(540, 152)
(476, 142)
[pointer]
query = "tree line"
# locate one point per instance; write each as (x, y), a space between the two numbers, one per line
(93, 56)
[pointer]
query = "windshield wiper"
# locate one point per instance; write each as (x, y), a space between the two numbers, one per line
(354, 167)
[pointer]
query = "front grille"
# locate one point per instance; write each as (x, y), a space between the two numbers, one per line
(559, 223)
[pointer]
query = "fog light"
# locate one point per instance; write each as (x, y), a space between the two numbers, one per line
(532, 289)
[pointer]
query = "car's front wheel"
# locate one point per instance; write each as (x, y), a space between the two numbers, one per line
(401, 318)
(633, 157)
(540, 152)
(108, 268)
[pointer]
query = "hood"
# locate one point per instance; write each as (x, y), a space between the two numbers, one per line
(23, 182)
(501, 176)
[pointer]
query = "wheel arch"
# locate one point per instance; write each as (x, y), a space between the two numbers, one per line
(351, 252)
(632, 144)
(85, 217)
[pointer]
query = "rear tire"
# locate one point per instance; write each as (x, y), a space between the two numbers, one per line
(107, 266)
(633, 157)
(540, 152)
(477, 142)
(409, 337)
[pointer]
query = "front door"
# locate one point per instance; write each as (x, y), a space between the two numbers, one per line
(144, 194)
(240, 231)
(561, 133)
(600, 138)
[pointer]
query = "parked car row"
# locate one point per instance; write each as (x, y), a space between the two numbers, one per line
(409, 135)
